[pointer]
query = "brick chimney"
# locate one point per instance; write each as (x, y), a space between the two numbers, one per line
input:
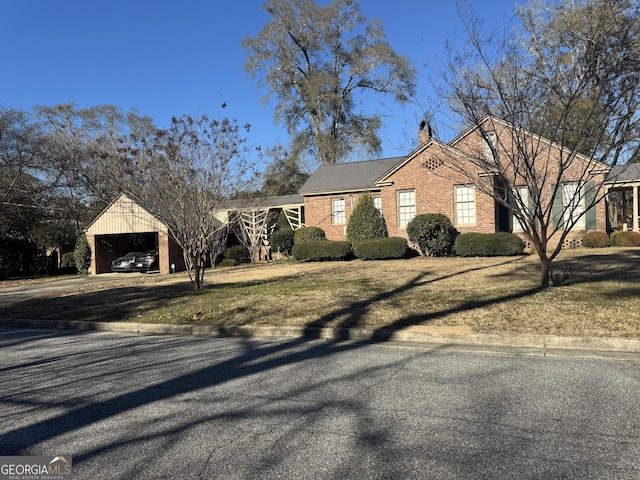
(424, 132)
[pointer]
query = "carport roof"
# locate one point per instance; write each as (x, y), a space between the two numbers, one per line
(263, 202)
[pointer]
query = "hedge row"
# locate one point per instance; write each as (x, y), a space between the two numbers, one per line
(616, 239)
(625, 239)
(466, 245)
(488, 244)
(321, 250)
(596, 240)
(381, 248)
(306, 234)
(373, 249)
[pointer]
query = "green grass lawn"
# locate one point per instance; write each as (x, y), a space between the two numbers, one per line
(596, 292)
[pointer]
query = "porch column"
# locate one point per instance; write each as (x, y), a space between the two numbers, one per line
(636, 227)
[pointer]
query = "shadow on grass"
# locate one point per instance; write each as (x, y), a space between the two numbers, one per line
(615, 265)
(254, 358)
(356, 311)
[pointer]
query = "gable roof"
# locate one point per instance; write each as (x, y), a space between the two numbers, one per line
(124, 215)
(348, 177)
(429, 144)
(493, 120)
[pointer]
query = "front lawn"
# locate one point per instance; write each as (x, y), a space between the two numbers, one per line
(597, 293)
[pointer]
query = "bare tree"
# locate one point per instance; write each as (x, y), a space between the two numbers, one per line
(550, 110)
(184, 178)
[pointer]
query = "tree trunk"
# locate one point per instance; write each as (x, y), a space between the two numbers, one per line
(196, 276)
(545, 265)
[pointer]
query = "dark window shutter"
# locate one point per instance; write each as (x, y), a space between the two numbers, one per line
(557, 207)
(591, 222)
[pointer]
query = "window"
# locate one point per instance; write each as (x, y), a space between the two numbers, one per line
(406, 207)
(522, 199)
(465, 205)
(487, 144)
(377, 202)
(338, 212)
(573, 204)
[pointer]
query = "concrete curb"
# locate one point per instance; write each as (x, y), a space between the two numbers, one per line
(525, 344)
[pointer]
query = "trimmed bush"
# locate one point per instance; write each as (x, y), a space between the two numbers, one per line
(227, 262)
(596, 240)
(21, 257)
(306, 234)
(488, 244)
(366, 221)
(321, 250)
(68, 260)
(625, 239)
(239, 253)
(434, 234)
(282, 241)
(82, 254)
(381, 248)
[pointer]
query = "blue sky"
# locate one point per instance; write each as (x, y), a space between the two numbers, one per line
(167, 58)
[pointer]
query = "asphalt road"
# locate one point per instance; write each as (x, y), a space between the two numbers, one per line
(128, 406)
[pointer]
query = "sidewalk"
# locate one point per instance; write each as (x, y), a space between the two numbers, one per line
(418, 336)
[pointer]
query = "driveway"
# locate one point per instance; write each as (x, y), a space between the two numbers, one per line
(72, 285)
(132, 406)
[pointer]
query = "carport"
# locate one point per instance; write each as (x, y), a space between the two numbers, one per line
(124, 226)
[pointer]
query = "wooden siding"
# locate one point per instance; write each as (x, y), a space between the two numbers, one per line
(125, 216)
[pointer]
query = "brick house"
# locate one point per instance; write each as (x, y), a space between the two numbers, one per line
(435, 178)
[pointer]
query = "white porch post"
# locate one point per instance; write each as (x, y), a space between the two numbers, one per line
(636, 226)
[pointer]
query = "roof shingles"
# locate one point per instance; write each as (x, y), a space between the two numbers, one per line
(346, 177)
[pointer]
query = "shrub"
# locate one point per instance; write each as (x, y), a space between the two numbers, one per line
(625, 239)
(227, 262)
(20, 257)
(596, 240)
(434, 234)
(488, 244)
(82, 254)
(282, 241)
(306, 234)
(239, 253)
(366, 221)
(68, 260)
(381, 248)
(320, 250)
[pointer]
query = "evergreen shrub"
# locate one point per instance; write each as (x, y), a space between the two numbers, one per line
(434, 234)
(239, 253)
(625, 239)
(488, 244)
(68, 260)
(281, 241)
(321, 250)
(596, 240)
(380, 248)
(82, 254)
(366, 221)
(306, 234)
(20, 257)
(227, 262)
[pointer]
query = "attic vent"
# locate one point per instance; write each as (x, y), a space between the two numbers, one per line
(432, 163)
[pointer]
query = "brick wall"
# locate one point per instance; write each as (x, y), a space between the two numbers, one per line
(434, 189)
(434, 171)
